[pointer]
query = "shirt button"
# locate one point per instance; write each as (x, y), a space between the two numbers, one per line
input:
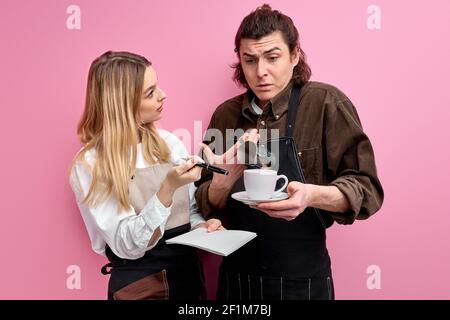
(277, 117)
(263, 123)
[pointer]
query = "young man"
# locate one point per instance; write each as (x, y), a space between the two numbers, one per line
(323, 151)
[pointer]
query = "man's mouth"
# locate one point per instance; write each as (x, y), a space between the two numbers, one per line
(264, 86)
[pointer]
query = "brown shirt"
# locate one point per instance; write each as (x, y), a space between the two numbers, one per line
(334, 150)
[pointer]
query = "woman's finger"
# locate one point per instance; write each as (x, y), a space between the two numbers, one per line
(213, 224)
(195, 173)
(185, 167)
(197, 159)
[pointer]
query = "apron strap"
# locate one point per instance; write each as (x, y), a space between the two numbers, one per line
(293, 107)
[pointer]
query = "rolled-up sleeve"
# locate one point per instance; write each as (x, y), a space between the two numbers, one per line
(195, 216)
(127, 233)
(351, 163)
(201, 194)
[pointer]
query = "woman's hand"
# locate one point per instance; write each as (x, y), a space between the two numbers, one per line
(211, 225)
(184, 173)
(179, 176)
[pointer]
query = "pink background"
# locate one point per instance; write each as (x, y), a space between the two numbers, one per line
(396, 77)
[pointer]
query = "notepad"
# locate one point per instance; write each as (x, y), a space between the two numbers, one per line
(221, 242)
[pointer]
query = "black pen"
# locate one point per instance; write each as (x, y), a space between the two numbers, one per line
(212, 168)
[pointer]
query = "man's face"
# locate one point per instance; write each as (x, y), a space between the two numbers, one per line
(267, 65)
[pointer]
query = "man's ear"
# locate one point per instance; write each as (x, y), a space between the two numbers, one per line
(295, 56)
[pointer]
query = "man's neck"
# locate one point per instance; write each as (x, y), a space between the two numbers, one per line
(261, 103)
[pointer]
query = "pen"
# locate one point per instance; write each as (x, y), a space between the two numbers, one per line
(212, 168)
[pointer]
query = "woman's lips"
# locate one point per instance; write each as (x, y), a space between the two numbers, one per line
(159, 109)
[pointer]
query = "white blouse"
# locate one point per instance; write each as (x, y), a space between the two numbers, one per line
(128, 233)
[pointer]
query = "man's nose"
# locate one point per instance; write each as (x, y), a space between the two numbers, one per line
(261, 68)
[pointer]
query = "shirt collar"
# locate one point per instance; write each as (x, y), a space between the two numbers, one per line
(278, 104)
(255, 107)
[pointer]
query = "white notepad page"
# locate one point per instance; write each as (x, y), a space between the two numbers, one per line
(221, 242)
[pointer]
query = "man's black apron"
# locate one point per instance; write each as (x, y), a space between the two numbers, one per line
(164, 272)
(287, 259)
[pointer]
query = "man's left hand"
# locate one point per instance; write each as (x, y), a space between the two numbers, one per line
(290, 208)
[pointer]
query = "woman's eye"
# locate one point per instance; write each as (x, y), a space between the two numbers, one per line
(150, 94)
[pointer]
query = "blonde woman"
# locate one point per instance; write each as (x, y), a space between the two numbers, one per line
(133, 185)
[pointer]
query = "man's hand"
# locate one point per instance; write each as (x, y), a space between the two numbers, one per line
(225, 161)
(228, 161)
(301, 196)
(221, 185)
(290, 208)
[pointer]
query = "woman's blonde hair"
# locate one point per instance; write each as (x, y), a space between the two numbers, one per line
(110, 125)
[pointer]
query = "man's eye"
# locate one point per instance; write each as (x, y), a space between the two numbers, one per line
(274, 58)
(250, 61)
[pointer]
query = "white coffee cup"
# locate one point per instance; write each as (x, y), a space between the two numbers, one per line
(260, 183)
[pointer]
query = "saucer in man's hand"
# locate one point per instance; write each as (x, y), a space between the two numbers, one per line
(243, 197)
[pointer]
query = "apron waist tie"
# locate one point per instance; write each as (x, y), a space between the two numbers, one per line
(105, 269)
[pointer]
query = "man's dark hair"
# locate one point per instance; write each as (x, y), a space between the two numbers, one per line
(262, 22)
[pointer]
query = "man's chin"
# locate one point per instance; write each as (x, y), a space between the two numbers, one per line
(266, 96)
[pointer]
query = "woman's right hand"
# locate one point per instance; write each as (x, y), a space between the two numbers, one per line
(179, 176)
(184, 173)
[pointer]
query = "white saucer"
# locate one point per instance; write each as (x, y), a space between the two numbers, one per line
(242, 197)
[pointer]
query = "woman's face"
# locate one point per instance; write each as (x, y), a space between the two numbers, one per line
(153, 98)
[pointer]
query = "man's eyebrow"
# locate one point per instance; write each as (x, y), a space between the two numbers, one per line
(149, 89)
(271, 50)
(265, 52)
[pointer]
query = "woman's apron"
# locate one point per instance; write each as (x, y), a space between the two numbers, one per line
(165, 271)
(287, 259)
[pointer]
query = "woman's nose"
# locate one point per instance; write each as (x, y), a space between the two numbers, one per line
(162, 95)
